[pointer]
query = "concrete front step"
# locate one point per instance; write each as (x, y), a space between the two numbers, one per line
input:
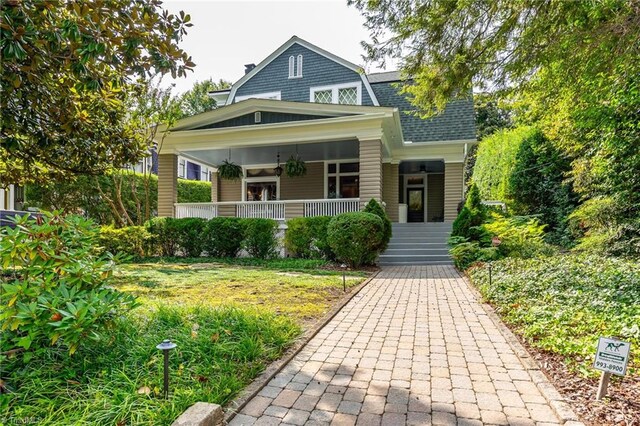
(393, 258)
(419, 263)
(416, 245)
(416, 251)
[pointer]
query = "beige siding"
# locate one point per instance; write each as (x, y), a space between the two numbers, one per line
(435, 197)
(294, 210)
(307, 187)
(390, 189)
(167, 184)
(452, 189)
(230, 190)
(370, 170)
(227, 210)
(214, 187)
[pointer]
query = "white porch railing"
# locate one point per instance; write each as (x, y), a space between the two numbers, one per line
(261, 209)
(268, 209)
(331, 207)
(203, 210)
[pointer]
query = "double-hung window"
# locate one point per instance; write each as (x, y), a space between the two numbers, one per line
(343, 180)
(344, 94)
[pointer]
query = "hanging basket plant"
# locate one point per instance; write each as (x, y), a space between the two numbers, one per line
(229, 171)
(295, 167)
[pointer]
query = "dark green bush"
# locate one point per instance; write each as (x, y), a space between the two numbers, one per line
(466, 254)
(132, 240)
(190, 234)
(374, 207)
(472, 215)
(164, 236)
(223, 236)
(306, 237)
(55, 289)
(356, 237)
(260, 238)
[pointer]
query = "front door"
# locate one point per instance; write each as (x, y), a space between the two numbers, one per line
(415, 197)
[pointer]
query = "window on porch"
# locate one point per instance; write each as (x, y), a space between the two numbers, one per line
(261, 184)
(343, 180)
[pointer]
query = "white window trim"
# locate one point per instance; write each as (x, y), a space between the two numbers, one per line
(246, 179)
(266, 95)
(337, 174)
(292, 64)
(299, 67)
(182, 161)
(334, 91)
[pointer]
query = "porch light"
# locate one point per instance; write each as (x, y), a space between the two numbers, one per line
(278, 169)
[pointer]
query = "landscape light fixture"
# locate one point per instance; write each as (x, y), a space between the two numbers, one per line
(165, 347)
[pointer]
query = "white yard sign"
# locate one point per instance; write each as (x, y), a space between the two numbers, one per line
(612, 356)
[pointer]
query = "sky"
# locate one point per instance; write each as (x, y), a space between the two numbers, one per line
(226, 35)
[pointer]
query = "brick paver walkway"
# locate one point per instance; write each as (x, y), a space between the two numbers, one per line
(413, 347)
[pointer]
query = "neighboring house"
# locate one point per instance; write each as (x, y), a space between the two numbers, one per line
(11, 198)
(355, 132)
(186, 168)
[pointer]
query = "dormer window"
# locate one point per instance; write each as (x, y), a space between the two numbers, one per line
(295, 66)
(343, 94)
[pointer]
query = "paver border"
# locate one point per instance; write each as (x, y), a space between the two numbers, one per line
(557, 402)
(235, 406)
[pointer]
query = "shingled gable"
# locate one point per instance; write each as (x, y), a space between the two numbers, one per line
(305, 44)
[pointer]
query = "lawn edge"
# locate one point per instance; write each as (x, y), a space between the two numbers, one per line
(235, 406)
(558, 403)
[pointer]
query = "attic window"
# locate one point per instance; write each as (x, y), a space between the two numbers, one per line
(257, 117)
(292, 61)
(295, 66)
(299, 67)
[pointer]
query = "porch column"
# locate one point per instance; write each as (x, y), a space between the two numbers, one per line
(390, 189)
(167, 184)
(214, 187)
(370, 170)
(453, 189)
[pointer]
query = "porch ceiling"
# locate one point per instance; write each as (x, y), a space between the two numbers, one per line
(337, 150)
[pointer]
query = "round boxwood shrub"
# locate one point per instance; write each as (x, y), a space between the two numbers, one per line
(356, 237)
(164, 236)
(223, 236)
(376, 208)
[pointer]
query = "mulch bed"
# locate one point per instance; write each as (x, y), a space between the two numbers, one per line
(621, 407)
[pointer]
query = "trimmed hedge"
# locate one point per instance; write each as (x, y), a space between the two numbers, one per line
(356, 237)
(306, 237)
(132, 240)
(260, 238)
(218, 237)
(224, 236)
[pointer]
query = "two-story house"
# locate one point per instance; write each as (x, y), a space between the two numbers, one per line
(356, 134)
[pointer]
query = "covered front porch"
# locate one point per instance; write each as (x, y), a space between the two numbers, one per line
(343, 147)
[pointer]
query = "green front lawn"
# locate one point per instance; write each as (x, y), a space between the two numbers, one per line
(229, 322)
